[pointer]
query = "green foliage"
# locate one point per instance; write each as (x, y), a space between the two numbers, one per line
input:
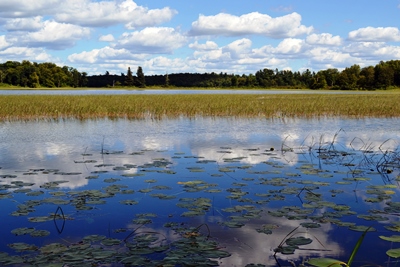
(384, 75)
(34, 75)
(141, 82)
(129, 77)
(328, 262)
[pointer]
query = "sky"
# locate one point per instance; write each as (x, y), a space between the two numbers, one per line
(234, 37)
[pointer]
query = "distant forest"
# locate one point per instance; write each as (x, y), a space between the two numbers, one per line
(384, 75)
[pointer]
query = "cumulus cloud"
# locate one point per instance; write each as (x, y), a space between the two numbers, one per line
(3, 42)
(238, 48)
(89, 12)
(110, 13)
(107, 38)
(325, 57)
(23, 9)
(54, 35)
(24, 24)
(378, 34)
(106, 54)
(323, 39)
(378, 50)
(290, 46)
(209, 45)
(152, 40)
(33, 54)
(237, 55)
(252, 23)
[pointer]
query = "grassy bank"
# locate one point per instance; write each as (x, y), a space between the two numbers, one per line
(25, 107)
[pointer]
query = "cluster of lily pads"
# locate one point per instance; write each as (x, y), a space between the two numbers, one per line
(316, 186)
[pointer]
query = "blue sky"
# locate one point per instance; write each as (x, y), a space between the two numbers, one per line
(234, 36)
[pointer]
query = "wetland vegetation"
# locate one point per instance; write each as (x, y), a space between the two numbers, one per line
(22, 107)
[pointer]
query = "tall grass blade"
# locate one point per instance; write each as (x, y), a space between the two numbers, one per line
(357, 246)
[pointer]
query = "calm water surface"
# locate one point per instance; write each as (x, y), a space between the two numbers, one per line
(274, 174)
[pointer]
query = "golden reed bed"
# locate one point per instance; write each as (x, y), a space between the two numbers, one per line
(26, 107)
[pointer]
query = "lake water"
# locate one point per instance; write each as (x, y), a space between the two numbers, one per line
(148, 192)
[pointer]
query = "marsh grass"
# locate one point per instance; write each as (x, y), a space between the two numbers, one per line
(26, 107)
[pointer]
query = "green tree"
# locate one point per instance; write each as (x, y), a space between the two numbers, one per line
(234, 81)
(251, 80)
(384, 75)
(348, 78)
(265, 78)
(3, 74)
(83, 80)
(34, 80)
(141, 82)
(129, 77)
(166, 80)
(307, 78)
(367, 78)
(319, 81)
(331, 76)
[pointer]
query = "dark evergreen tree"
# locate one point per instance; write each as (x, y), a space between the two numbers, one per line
(166, 80)
(141, 82)
(129, 77)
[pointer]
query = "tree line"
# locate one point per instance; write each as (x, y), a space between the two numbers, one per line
(384, 75)
(34, 75)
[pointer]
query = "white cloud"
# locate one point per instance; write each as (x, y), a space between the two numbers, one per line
(375, 50)
(107, 38)
(88, 12)
(108, 13)
(24, 24)
(23, 9)
(379, 34)
(321, 55)
(3, 42)
(239, 48)
(33, 54)
(252, 23)
(54, 35)
(209, 45)
(162, 64)
(290, 46)
(152, 40)
(106, 54)
(212, 56)
(237, 56)
(324, 39)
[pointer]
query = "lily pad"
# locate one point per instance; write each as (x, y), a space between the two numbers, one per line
(298, 241)
(393, 238)
(23, 247)
(394, 253)
(22, 231)
(129, 202)
(40, 233)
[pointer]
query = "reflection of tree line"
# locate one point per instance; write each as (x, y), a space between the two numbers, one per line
(384, 75)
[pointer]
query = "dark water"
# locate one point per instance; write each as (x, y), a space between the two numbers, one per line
(234, 179)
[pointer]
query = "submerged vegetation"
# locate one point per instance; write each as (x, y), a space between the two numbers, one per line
(25, 107)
